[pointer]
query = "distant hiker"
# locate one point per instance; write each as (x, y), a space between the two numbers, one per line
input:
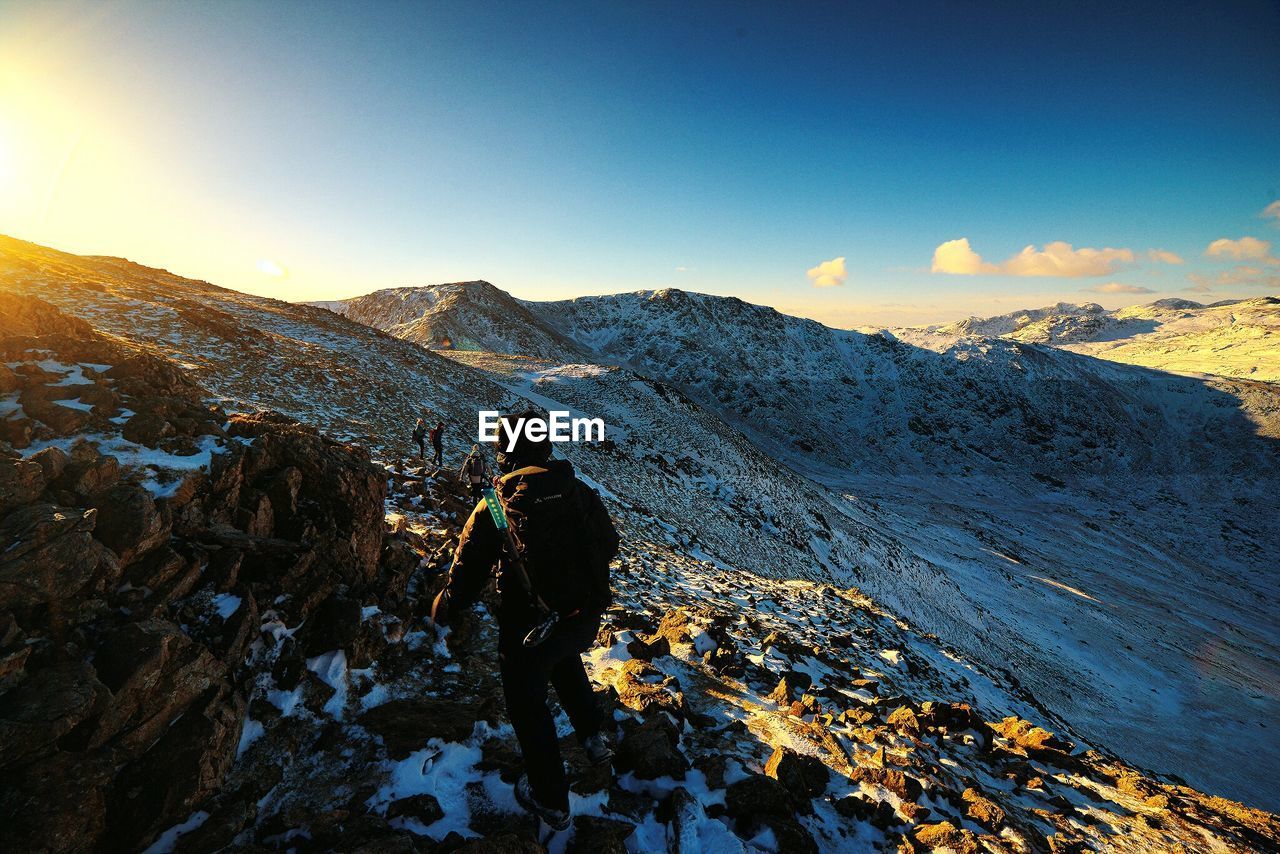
(420, 436)
(474, 472)
(437, 444)
(564, 541)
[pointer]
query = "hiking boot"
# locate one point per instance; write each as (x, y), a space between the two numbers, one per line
(598, 749)
(555, 819)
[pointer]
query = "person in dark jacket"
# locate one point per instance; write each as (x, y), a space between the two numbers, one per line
(559, 523)
(437, 444)
(474, 472)
(420, 437)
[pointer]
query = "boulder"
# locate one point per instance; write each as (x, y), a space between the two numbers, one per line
(983, 810)
(651, 750)
(945, 835)
(334, 624)
(904, 720)
(129, 522)
(406, 725)
(48, 557)
(52, 461)
(88, 473)
(45, 707)
(155, 672)
(57, 804)
(597, 835)
(21, 482)
(758, 795)
(804, 776)
(905, 787)
(644, 688)
(183, 767)
(425, 808)
(792, 684)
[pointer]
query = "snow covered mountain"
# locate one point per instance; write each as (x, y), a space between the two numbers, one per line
(1111, 617)
(459, 316)
(1239, 338)
(1038, 497)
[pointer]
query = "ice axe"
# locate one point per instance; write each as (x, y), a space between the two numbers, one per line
(548, 617)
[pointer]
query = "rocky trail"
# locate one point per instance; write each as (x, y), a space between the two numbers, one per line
(212, 638)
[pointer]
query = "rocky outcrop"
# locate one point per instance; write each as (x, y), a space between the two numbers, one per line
(131, 602)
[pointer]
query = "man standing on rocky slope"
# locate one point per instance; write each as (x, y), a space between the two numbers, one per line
(565, 541)
(437, 444)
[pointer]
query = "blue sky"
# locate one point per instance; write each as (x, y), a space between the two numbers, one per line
(558, 149)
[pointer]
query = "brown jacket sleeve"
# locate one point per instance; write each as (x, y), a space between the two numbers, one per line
(478, 551)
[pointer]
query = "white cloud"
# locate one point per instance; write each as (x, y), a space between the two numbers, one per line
(1240, 275)
(956, 257)
(828, 274)
(1272, 211)
(1164, 256)
(1056, 259)
(1246, 248)
(1119, 288)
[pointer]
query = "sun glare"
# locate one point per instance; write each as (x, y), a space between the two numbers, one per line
(270, 268)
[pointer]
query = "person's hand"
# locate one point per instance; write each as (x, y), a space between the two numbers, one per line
(440, 609)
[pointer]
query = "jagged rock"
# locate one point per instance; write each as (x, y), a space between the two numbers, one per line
(405, 725)
(129, 522)
(792, 837)
(676, 627)
(793, 682)
(946, 835)
(983, 810)
(147, 428)
(596, 835)
(184, 766)
(644, 688)
(48, 556)
(334, 624)
(648, 650)
(425, 808)
(45, 707)
(52, 461)
(904, 720)
(57, 804)
(804, 776)
(155, 671)
(905, 787)
(88, 473)
(758, 795)
(855, 806)
(226, 820)
(21, 482)
(713, 767)
(651, 750)
(1028, 739)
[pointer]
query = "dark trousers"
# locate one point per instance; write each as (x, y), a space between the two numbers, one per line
(422, 450)
(525, 675)
(438, 459)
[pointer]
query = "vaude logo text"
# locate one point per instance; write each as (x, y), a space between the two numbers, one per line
(558, 426)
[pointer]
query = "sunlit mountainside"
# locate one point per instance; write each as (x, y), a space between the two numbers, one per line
(927, 588)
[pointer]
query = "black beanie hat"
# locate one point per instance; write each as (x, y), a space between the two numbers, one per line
(526, 452)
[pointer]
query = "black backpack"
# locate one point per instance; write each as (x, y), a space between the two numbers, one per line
(565, 536)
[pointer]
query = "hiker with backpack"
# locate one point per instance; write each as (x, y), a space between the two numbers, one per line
(437, 444)
(551, 539)
(474, 472)
(420, 437)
